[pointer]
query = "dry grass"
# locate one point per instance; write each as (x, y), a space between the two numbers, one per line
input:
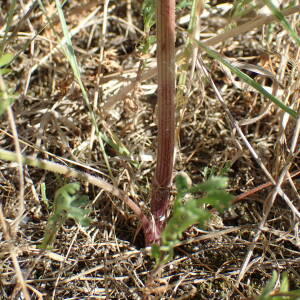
(107, 260)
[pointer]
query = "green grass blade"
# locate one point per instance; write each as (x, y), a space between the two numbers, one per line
(8, 22)
(6, 98)
(70, 54)
(69, 50)
(5, 59)
(278, 14)
(269, 287)
(247, 79)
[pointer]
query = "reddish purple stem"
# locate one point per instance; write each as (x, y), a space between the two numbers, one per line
(165, 12)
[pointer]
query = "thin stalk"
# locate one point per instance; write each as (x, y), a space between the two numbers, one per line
(8, 22)
(165, 22)
(72, 173)
(150, 73)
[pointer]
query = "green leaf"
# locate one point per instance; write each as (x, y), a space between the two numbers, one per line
(155, 252)
(215, 182)
(6, 59)
(81, 201)
(182, 181)
(67, 204)
(6, 101)
(4, 71)
(269, 287)
(218, 199)
(187, 212)
(284, 284)
(148, 12)
(184, 4)
(269, 292)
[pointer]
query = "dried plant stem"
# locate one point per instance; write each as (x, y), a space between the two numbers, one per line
(20, 279)
(259, 188)
(256, 23)
(69, 172)
(277, 184)
(165, 12)
(13, 126)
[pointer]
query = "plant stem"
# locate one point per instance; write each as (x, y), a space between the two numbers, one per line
(69, 172)
(165, 22)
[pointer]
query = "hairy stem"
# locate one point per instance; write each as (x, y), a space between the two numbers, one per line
(69, 172)
(165, 14)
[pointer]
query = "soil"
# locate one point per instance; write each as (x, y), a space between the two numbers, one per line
(108, 259)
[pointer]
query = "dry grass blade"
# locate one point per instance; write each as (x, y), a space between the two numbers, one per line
(21, 206)
(74, 31)
(277, 189)
(69, 172)
(21, 285)
(226, 130)
(260, 21)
